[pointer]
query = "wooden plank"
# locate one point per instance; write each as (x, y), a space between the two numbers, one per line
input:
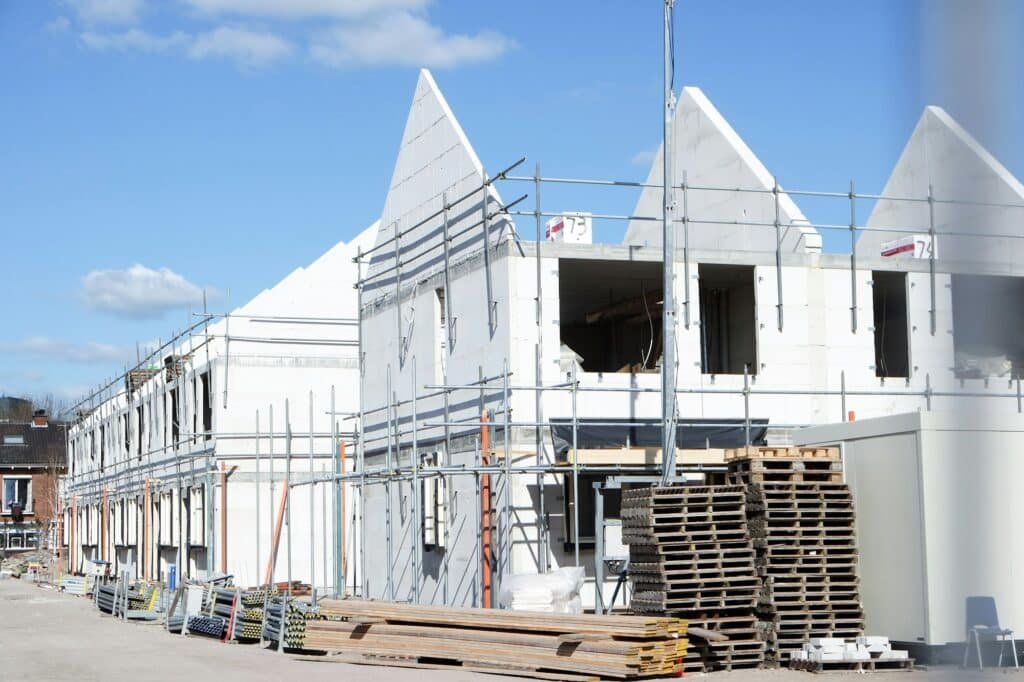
(643, 456)
(415, 663)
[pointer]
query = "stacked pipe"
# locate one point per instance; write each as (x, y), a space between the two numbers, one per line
(107, 597)
(174, 623)
(211, 626)
(249, 620)
(272, 621)
(691, 556)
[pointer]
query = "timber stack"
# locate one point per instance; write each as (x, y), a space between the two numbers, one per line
(548, 646)
(801, 518)
(691, 556)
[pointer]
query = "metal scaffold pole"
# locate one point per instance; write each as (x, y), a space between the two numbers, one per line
(312, 506)
(668, 332)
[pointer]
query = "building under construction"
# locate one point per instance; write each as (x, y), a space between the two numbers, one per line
(474, 407)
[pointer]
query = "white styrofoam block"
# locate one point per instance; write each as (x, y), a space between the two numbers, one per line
(799, 655)
(893, 655)
(826, 642)
(856, 656)
(825, 656)
(875, 644)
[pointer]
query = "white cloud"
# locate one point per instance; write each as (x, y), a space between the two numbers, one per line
(139, 291)
(124, 12)
(403, 39)
(301, 9)
(83, 353)
(644, 158)
(246, 47)
(59, 25)
(133, 39)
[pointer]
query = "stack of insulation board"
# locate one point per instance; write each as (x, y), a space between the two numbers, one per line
(691, 556)
(801, 518)
(530, 644)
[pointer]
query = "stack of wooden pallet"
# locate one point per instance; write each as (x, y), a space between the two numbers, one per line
(531, 644)
(691, 556)
(801, 518)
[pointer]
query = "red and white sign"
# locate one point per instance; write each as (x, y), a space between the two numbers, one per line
(914, 246)
(575, 228)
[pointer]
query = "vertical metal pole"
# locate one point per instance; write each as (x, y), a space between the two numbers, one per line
(227, 358)
(210, 498)
(312, 507)
(668, 358)
(288, 492)
(538, 395)
(270, 471)
(338, 515)
(259, 482)
(853, 262)
(931, 255)
(746, 407)
(778, 249)
(323, 531)
(390, 588)
(484, 197)
(686, 253)
(398, 295)
(417, 535)
(599, 549)
(575, 470)
(450, 330)
(842, 391)
(360, 445)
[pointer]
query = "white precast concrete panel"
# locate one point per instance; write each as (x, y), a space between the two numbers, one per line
(940, 153)
(435, 159)
(712, 154)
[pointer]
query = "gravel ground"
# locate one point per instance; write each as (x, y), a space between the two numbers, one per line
(45, 635)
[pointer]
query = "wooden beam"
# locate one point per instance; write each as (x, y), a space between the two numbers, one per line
(272, 559)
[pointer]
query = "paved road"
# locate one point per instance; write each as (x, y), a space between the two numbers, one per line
(48, 636)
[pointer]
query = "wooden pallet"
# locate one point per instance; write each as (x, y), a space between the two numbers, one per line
(744, 647)
(764, 452)
(873, 665)
(784, 471)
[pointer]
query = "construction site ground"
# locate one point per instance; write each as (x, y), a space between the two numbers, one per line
(46, 635)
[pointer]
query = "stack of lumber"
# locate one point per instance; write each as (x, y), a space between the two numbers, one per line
(691, 556)
(541, 645)
(801, 518)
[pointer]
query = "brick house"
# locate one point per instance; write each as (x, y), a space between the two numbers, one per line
(32, 459)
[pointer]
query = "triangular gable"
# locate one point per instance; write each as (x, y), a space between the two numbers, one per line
(324, 288)
(435, 158)
(712, 154)
(940, 153)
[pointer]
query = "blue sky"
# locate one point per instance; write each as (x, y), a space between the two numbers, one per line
(150, 150)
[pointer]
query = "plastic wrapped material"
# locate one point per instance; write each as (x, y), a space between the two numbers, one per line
(555, 592)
